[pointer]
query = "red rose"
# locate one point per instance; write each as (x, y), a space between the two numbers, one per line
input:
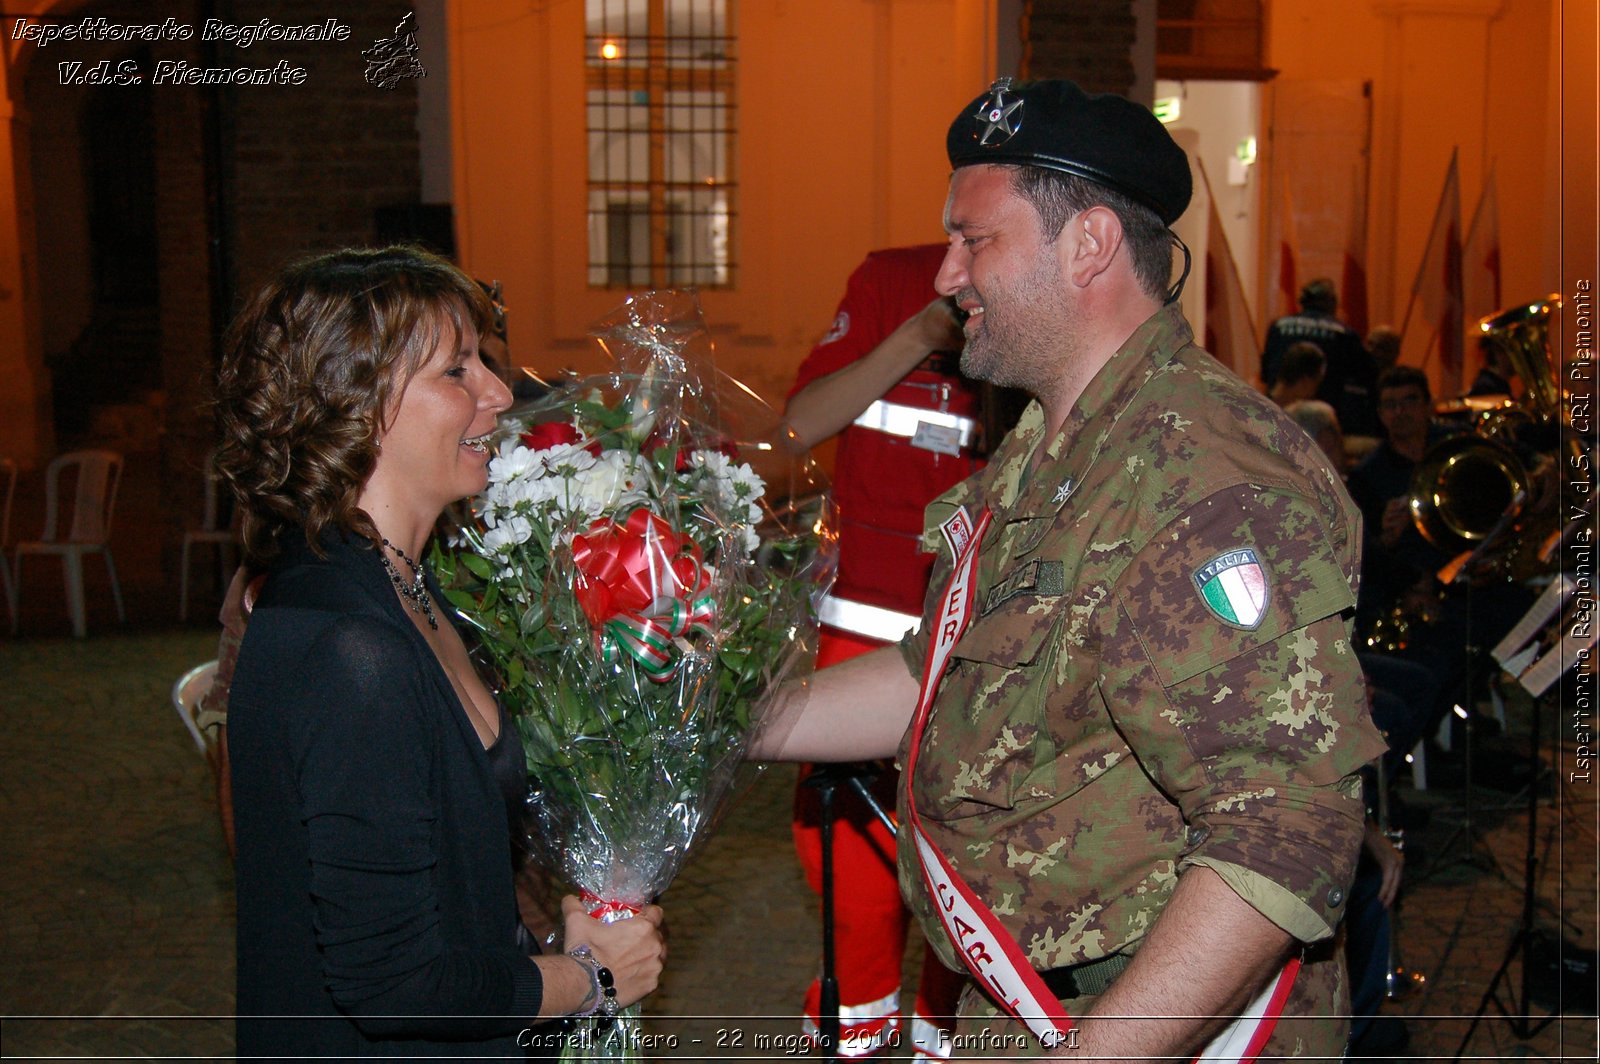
(548, 434)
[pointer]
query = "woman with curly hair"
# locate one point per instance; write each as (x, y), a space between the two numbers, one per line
(376, 780)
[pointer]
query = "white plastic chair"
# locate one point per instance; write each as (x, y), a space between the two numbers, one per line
(94, 499)
(224, 539)
(186, 695)
(8, 470)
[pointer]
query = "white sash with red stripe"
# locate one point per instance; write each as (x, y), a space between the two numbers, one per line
(989, 951)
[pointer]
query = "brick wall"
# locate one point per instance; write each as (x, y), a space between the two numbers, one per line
(1089, 41)
(184, 309)
(303, 167)
(306, 165)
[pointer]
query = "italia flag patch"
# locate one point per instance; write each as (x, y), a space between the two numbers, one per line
(1234, 587)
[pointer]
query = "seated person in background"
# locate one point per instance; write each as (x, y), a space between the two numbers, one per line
(1494, 377)
(1300, 376)
(1383, 344)
(1322, 425)
(1397, 556)
(1401, 693)
(1368, 931)
(1400, 566)
(1348, 383)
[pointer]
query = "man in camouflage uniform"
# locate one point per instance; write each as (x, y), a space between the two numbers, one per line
(1142, 754)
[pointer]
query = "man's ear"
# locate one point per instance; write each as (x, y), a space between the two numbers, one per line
(1093, 238)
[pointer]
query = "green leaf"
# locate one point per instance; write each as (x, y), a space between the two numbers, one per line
(461, 600)
(479, 567)
(603, 416)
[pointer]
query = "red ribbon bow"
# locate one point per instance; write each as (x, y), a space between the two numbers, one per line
(642, 584)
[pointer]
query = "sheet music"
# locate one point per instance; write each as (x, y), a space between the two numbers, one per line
(1537, 678)
(1555, 594)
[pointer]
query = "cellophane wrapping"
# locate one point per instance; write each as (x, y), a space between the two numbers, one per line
(642, 572)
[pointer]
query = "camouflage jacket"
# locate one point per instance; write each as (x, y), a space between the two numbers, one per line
(1158, 672)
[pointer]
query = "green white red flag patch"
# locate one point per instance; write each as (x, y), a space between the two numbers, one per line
(1234, 587)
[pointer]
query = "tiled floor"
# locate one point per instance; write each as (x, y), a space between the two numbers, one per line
(116, 902)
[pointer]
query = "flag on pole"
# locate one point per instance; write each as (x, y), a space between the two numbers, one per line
(1230, 330)
(1480, 267)
(1353, 274)
(1480, 256)
(1288, 253)
(1438, 283)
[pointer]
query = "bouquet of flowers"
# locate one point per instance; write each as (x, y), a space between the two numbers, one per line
(639, 588)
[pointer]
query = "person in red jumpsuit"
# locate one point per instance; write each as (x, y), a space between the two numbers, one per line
(885, 381)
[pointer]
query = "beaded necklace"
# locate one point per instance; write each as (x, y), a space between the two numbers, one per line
(414, 592)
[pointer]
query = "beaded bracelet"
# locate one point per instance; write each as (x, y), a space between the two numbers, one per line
(602, 997)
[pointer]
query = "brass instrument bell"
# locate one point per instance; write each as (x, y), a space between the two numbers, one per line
(1463, 487)
(1521, 335)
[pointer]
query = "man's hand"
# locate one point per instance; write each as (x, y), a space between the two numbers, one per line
(936, 326)
(827, 405)
(1396, 519)
(1391, 862)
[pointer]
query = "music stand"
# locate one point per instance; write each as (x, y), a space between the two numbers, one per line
(827, 779)
(1537, 666)
(1459, 571)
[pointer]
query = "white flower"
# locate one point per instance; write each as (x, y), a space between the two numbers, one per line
(600, 487)
(508, 533)
(733, 490)
(747, 486)
(606, 484)
(566, 460)
(513, 461)
(713, 462)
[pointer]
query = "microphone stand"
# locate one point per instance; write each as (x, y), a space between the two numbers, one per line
(1522, 1024)
(1459, 572)
(827, 779)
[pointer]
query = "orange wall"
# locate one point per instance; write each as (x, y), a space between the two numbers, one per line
(1578, 152)
(842, 110)
(1446, 74)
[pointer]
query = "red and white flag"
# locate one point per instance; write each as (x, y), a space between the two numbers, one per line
(1438, 283)
(1353, 274)
(1230, 328)
(1288, 254)
(1480, 256)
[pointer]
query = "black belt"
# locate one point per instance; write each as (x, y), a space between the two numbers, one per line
(1089, 979)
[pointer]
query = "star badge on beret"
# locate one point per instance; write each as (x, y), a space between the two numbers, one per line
(1000, 116)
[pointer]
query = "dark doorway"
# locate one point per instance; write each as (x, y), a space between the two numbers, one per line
(115, 360)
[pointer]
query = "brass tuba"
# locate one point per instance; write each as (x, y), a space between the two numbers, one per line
(1522, 336)
(1467, 487)
(1463, 489)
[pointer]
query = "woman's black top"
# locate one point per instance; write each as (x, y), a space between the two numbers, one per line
(376, 909)
(510, 770)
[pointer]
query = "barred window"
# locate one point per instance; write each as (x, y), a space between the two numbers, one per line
(661, 129)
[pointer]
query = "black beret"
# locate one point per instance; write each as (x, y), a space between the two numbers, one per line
(1100, 137)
